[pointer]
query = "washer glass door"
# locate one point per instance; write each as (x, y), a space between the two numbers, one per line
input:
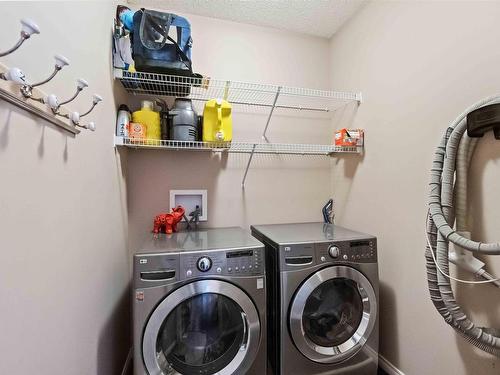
(333, 314)
(205, 327)
(201, 335)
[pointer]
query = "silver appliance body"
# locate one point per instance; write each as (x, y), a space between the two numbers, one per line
(199, 304)
(322, 299)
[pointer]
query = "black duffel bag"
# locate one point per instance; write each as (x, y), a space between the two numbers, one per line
(155, 51)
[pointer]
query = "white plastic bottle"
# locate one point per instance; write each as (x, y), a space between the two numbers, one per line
(123, 120)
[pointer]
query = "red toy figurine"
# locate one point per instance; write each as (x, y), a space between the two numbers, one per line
(167, 223)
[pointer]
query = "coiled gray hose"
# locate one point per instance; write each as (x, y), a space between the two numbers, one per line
(451, 160)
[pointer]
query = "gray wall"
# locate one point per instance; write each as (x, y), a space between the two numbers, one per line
(419, 64)
(63, 222)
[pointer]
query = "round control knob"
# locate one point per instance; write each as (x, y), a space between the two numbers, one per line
(204, 264)
(334, 251)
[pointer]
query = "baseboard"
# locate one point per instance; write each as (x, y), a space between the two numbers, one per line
(388, 367)
(128, 362)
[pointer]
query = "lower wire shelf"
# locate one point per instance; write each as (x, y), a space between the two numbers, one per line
(236, 147)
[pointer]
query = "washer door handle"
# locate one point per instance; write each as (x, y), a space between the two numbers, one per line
(299, 261)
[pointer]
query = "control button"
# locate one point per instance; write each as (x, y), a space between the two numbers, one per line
(323, 259)
(219, 270)
(243, 268)
(345, 257)
(189, 273)
(204, 264)
(237, 269)
(334, 252)
(250, 266)
(229, 269)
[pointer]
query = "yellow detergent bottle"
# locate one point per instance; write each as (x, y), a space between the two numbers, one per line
(150, 119)
(217, 121)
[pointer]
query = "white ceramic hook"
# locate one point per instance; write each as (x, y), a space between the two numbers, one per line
(61, 61)
(81, 84)
(52, 102)
(75, 118)
(29, 28)
(97, 98)
(15, 75)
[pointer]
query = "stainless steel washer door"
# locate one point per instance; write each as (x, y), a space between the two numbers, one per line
(332, 314)
(205, 327)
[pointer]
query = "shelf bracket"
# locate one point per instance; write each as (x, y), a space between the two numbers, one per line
(271, 113)
(226, 90)
(263, 136)
(248, 165)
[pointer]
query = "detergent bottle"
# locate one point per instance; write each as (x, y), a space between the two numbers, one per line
(150, 119)
(217, 121)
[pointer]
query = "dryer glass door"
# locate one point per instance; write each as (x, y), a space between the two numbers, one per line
(333, 314)
(205, 327)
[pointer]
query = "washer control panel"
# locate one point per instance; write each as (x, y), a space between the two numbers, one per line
(244, 262)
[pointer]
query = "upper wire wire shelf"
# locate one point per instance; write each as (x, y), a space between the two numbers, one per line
(243, 93)
(236, 147)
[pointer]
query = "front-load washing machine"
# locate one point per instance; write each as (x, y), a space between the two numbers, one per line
(199, 304)
(322, 299)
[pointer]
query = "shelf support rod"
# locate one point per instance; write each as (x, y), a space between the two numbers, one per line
(248, 165)
(226, 90)
(271, 113)
(263, 136)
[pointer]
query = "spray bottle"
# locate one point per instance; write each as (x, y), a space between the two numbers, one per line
(123, 121)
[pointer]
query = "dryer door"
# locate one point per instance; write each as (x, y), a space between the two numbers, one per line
(332, 314)
(205, 327)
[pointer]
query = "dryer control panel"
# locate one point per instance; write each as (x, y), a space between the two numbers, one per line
(241, 262)
(310, 254)
(356, 251)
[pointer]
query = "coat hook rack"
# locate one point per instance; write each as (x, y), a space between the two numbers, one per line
(15, 89)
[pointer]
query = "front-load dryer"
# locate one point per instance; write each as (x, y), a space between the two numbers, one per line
(199, 304)
(322, 299)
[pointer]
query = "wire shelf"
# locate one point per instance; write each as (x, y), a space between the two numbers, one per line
(239, 93)
(236, 147)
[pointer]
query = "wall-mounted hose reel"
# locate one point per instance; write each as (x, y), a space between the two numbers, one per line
(447, 221)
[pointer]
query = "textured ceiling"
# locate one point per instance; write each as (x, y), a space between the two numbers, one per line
(315, 17)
